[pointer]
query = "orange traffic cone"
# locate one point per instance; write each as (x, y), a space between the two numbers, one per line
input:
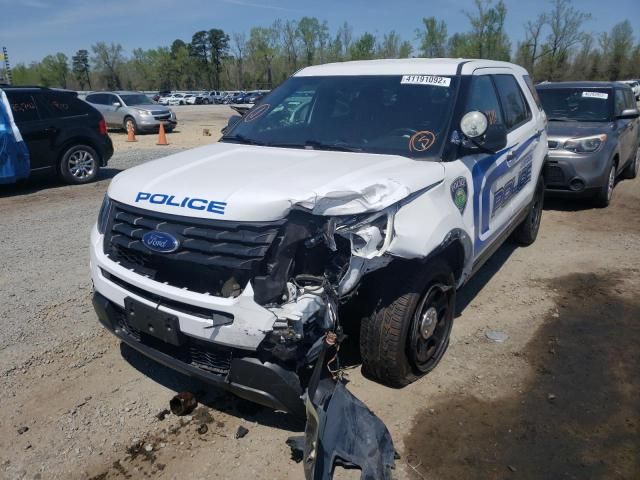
(162, 137)
(131, 135)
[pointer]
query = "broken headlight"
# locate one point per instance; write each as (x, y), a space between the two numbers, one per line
(370, 234)
(103, 215)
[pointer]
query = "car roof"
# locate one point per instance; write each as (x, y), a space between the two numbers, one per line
(583, 84)
(5, 86)
(406, 66)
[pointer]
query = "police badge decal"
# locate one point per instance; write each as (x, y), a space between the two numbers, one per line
(459, 193)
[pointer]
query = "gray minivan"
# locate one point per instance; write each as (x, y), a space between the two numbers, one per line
(121, 109)
(593, 135)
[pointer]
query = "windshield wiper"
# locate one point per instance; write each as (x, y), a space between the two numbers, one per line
(315, 145)
(561, 119)
(241, 139)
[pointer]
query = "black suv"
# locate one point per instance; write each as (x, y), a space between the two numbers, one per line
(63, 134)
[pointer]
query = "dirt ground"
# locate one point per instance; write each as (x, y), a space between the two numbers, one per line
(558, 399)
(193, 120)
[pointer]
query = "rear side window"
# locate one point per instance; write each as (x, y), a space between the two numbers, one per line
(64, 105)
(482, 97)
(23, 106)
(534, 92)
(97, 98)
(621, 101)
(515, 107)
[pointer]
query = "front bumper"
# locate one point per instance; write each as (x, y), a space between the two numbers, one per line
(576, 174)
(150, 123)
(264, 383)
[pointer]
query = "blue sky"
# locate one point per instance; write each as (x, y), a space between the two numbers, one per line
(34, 28)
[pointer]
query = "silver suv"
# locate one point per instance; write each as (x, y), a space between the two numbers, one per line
(121, 109)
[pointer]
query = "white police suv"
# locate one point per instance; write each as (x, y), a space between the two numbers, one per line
(357, 195)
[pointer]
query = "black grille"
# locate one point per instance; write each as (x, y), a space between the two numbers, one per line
(215, 257)
(166, 116)
(553, 175)
(207, 356)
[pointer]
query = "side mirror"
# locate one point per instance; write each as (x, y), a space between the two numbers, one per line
(480, 134)
(116, 104)
(233, 120)
(496, 138)
(629, 113)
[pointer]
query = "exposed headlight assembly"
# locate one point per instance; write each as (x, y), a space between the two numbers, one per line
(370, 234)
(103, 215)
(585, 144)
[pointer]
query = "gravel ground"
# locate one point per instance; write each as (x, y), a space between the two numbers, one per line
(557, 399)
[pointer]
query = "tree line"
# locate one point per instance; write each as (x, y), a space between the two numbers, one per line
(556, 46)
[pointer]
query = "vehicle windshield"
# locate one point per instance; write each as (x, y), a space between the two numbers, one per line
(136, 99)
(385, 114)
(577, 104)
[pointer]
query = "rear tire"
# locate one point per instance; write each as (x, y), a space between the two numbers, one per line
(603, 197)
(527, 232)
(79, 164)
(631, 170)
(407, 333)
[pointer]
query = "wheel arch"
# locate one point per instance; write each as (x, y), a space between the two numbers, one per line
(456, 249)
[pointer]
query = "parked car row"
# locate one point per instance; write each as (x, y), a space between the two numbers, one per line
(209, 97)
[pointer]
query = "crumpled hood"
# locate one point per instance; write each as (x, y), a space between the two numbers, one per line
(252, 183)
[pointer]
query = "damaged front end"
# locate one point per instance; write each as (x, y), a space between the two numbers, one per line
(316, 266)
(323, 261)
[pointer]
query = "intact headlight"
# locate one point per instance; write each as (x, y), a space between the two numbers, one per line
(585, 144)
(144, 113)
(103, 215)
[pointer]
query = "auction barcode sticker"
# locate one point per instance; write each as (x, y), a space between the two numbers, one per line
(600, 95)
(425, 80)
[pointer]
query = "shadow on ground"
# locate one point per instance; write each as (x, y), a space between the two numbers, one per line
(474, 286)
(579, 416)
(41, 181)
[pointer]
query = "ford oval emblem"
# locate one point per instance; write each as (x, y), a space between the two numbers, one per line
(161, 242)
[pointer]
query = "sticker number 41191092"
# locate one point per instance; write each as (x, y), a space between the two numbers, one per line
(425, 80)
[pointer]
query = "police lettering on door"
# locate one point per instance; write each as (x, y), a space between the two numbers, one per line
(504, 194)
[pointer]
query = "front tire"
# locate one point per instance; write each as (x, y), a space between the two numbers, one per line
(79, 164)
(407, 334)
(527, 232)
(603, 197)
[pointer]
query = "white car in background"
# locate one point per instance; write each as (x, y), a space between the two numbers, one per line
(193, 99)
(635, 86)
(176, 99)
(164, 100)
